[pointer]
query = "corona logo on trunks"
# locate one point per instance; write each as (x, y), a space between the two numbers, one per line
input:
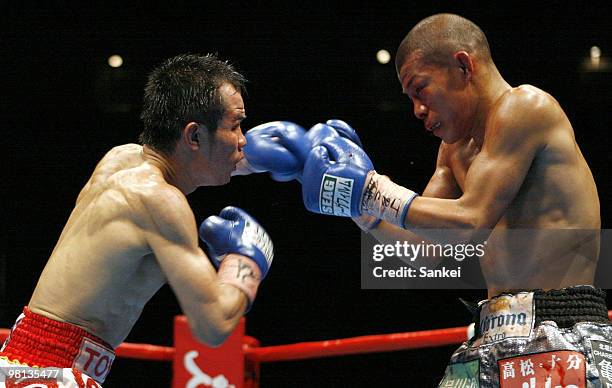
(336, 194)
(507, 316)
(497, 321)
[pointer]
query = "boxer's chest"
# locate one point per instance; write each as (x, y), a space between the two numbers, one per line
(460, 161)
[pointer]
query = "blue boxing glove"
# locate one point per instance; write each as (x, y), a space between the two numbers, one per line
(334, 176)
(339, 179)
(332, 128)
(235, 231)
(365, 222)
(278, 147)
(345, 131)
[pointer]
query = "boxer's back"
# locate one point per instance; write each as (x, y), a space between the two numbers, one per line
(101, 272)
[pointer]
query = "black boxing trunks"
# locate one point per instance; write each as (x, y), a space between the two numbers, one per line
(38, 341)
(544, 339)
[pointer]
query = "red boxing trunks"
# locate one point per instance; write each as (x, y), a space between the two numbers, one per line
(38, 341)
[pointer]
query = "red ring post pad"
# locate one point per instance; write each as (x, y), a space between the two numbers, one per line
(196, 364)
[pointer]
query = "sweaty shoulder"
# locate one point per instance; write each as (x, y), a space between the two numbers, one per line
(525, 107)
(124, 149)
(523, 116)
(120, 157)
(117, 159)
(125, 180)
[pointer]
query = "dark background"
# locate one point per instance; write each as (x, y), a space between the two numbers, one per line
(63, 107)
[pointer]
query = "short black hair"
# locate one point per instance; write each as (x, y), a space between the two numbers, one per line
(436, 36)
(182, 89)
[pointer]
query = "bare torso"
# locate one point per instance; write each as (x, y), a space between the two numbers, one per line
(548, 237)
(101, 272)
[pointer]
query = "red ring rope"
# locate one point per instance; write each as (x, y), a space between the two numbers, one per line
(304, 350)
(358, 345)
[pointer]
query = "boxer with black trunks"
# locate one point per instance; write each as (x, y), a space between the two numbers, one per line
(508, 162)
(132, 230)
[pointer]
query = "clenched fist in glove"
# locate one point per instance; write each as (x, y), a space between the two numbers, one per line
(281, 147)
(339, 179)
(235, 231)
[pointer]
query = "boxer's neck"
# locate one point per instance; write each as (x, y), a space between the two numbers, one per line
(490, 89)
(167, 165)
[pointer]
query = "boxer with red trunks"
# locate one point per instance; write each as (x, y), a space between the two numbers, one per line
(132, 231)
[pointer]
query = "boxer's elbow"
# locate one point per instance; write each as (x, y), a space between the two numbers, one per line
(481, 212)
(218, 322)
(213, 334)
(475, 221)
(215, 339)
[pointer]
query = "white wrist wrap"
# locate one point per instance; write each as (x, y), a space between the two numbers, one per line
(242, 273)
(386, 200)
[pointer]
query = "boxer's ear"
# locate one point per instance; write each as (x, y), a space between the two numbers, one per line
(465, 63)
(191, 135)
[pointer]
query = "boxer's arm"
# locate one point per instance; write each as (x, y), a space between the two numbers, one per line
(212, 309)
(442, 184)
(497, 172)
